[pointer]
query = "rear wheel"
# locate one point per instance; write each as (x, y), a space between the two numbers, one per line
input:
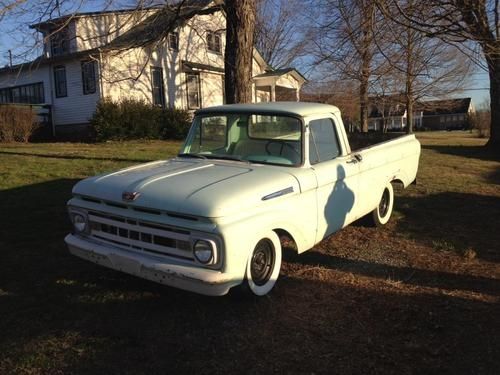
(263, 266)
(381, 215)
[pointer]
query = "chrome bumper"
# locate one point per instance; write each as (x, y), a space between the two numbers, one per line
(198, 280)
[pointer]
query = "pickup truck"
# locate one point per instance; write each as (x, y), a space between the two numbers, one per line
(248, 175)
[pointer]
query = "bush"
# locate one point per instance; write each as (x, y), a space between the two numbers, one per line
(480, 121)
(174, 124)
(17, 124)
(137, 119)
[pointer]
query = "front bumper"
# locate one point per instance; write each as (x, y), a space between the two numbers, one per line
(157, 269)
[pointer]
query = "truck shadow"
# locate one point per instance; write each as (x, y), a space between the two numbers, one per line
(405, 275)
(453, 222)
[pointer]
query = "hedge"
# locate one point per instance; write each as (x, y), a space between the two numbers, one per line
(137, 119)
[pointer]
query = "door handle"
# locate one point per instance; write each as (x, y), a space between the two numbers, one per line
(355, 159)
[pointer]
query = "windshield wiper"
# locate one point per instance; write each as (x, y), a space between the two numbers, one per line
(227, 157)
(190, 155)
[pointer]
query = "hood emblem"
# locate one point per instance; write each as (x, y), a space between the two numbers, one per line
(130, 196)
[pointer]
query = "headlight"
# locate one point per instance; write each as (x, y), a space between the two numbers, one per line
(79, 221)
(203, 251)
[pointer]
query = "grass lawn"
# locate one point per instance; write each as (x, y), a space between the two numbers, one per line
(421, 295)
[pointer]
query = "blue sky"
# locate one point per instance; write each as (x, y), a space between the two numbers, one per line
(16, 36)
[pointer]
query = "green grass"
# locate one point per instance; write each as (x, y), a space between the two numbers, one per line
(417, 296)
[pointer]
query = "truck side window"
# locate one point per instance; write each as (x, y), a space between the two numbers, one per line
(323, 143)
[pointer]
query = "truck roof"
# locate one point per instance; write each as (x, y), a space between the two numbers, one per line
(301, 109)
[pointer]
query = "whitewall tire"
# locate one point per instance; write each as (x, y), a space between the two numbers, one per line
(264, 264)
(381, 215)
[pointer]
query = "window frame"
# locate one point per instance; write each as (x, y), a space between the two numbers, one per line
(83, 65)
(38, 88)
(59, 42)
(56, 85)
(153, 70)
(175, 35)
(198, 80)
(311, 136)
(212, 45)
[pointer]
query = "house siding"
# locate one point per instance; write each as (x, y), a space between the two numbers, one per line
(75, 108)
(95, 31)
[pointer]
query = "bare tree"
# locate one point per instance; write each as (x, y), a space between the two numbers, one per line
(346, 43)
(426, 67)
(280, 35)
(460, 22)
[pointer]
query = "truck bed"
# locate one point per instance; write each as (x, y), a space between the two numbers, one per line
(359, 141)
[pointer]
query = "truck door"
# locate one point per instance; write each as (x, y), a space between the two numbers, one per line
(336, 175)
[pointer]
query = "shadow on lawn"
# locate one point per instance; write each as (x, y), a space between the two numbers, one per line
(475, 152)
(453, 221)
(73, 157)
(60, 314)
(407, 275)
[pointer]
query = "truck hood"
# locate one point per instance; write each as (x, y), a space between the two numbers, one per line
(207, 188)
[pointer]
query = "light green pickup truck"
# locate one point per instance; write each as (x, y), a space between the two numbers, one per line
(248, 175)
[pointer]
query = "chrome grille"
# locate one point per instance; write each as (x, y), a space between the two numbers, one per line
(140, 235)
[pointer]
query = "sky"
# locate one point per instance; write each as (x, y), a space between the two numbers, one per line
(15, 35)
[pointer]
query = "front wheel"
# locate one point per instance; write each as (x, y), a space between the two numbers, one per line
(381, 215)
(263, 266)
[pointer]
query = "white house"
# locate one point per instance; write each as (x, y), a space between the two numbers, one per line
(118, 54)
(391, 111)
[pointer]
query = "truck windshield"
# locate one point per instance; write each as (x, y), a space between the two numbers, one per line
(267, 139)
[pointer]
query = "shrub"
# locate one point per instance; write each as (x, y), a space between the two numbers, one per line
(174, 124)
(137, 119)
(17, 123)
(481, 122)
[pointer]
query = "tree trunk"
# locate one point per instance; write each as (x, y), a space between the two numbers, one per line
(409, 114)
(363, 105)
(494, 73)
(240, 25)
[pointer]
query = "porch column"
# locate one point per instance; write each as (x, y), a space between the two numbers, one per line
(273, 92)
(297, 95)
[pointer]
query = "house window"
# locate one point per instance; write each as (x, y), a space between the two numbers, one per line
(88, 77)
(59, 42)
(25, 94)
(60, 81)
(157, 86)
(214, 42)
(193, 91)
(173, 41)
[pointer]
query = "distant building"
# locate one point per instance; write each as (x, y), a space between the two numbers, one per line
(391, 111)
(96, 55)
(449, 114)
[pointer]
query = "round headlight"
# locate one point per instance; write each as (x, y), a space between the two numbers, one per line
(203, 251)
(79, 222)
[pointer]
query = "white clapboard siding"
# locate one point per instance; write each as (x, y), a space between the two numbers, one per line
(76, 108)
